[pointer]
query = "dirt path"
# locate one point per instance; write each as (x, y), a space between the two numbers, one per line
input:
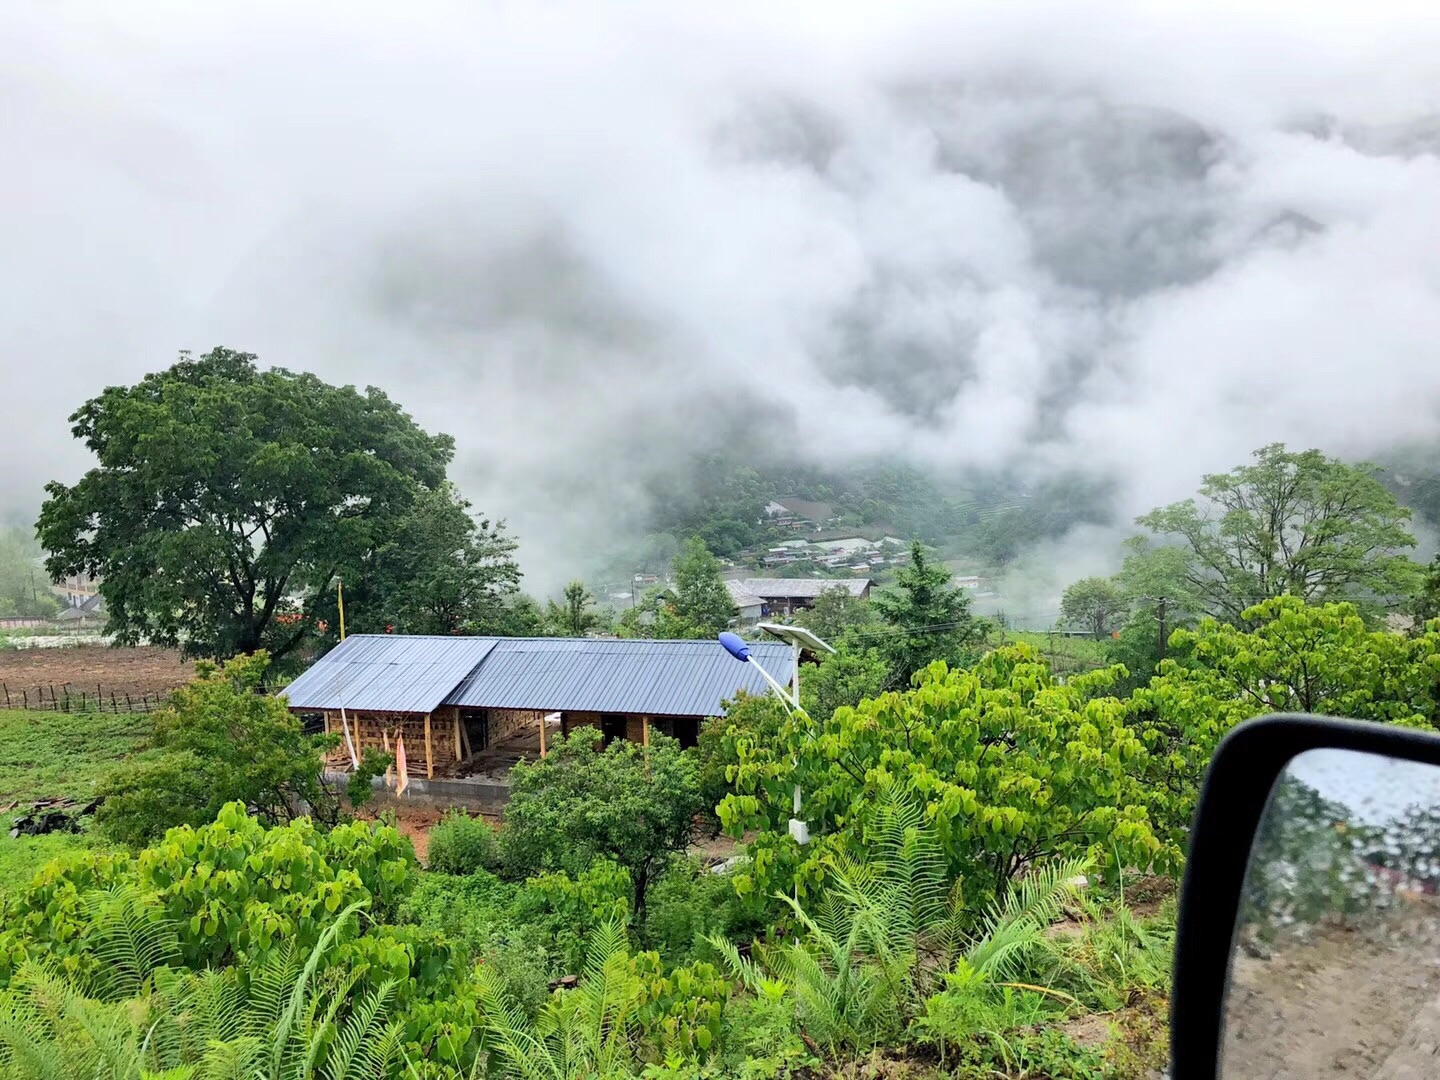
(1345, 1002)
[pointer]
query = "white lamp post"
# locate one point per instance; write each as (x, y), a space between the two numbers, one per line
(739, 648)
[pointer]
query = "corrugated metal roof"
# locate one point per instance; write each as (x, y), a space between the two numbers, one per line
(741, 596)
(388, 673)
(651, 678)
(802, 588)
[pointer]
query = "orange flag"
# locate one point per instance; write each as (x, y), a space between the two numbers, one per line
(404, 775)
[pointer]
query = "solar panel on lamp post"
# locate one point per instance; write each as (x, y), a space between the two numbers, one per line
(739, 648)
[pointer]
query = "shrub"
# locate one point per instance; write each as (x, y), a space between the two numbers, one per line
(631, 804)
(218, 740)
(687, 905)
(478, 916)
(1013, 766)
(461, 844)
(233, 889)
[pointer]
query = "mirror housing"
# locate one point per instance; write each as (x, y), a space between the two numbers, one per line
(1233, 799)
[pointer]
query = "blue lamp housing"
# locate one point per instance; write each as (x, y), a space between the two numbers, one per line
(736, 646)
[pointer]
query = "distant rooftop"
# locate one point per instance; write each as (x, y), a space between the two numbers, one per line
(801, 588)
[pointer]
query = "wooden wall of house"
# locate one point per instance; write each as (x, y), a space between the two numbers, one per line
(506, 722)
(369, 730)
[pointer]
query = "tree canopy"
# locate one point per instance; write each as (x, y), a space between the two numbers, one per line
(927, 619)
(1294, 657)
(1013, 767)
(635, 805)
(1296, 523)
(228, 499)
(1096, 604)
(699, 606)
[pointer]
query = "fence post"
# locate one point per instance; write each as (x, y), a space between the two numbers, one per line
(7, 694)
(113, 706)
(25, 697)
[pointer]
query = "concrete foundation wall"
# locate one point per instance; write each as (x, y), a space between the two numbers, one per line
(486, 796)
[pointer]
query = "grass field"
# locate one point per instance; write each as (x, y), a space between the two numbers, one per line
(1066, 654)
(53, 755)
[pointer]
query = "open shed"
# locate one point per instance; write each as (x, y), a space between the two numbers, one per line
(456, 696)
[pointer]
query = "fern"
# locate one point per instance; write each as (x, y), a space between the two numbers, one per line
(1014, 927)
(132, 938)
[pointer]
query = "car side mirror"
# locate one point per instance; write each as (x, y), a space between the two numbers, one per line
(1309, 927)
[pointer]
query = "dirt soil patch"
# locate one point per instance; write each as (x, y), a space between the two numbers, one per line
(136, 672)
(1342, 1001)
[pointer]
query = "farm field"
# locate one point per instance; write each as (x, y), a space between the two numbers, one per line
(29, 673)
(55, 755)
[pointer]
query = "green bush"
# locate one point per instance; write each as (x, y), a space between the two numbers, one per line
(233, 889)
(461, 844)
(633, 805)
(477, 915)
(219, 740)
(687, 905)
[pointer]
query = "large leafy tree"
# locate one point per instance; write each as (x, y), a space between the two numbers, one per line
(634, 805)
(1096, 604)
(576, 615)
(226, 497)
(1295, 657)
(928, 619)
(1013, 767)
(439, 570)
(1291, 523)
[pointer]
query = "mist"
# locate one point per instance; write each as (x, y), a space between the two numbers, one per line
(588, 240)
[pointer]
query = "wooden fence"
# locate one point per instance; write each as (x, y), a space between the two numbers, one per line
(70, 698)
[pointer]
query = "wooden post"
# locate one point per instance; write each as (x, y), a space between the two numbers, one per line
(455, 710)
(464, 733)
(429, 756)
(544, 718)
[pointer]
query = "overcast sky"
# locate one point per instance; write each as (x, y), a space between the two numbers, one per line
(585, 238)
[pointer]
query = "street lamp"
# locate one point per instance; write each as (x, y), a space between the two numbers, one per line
(739, 648)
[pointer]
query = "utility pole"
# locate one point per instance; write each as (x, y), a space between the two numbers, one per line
(1160, 614)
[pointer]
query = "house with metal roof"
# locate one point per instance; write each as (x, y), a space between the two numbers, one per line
(458, 696)
(785, 596)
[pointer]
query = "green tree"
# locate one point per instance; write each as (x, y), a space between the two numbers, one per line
(1426, 604)
(1013, 767)
(634, 805)
(854, 672)
(1094, 603)
(441, 570)
(835, 611)
(1292, 523)
(577, 615)
(749, 719)
(1296, 657)
(24, 588)
(702, 606)
(223, 491)
(219, 740)
(928, 619)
